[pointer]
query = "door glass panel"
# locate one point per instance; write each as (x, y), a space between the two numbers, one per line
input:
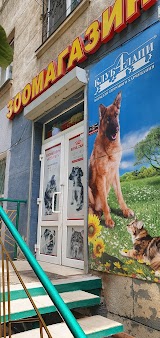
(75, 204)
(71, 117)
(49, 238)
(75, 242)
(51, 182)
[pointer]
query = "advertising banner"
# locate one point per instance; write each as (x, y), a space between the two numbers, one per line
(75, 205)
(51, 182)
(124, 159)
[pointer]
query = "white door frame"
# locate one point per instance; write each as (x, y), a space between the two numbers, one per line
(49, 223)
(70, 223)
(62, 224)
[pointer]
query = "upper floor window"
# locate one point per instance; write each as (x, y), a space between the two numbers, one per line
(6, 73)
(54, 13)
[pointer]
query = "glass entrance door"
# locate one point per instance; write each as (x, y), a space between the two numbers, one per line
(61, 202)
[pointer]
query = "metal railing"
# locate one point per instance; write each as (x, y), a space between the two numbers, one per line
(5, 292)
(62, 308)
(13, 215)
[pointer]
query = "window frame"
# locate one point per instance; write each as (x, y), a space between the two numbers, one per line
(6, 73)
(49, 30)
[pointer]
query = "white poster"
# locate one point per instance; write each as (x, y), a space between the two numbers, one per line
(48, 244)
(75, 242)
(75, 207)
(51, 182)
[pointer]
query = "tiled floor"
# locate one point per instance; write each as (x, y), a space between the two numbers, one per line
(48, 267)
(54, 272)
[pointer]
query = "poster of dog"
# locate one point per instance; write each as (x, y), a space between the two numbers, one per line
(124, 159)
(75, 205)
(48, 244)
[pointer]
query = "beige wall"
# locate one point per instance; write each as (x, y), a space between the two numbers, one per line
(132, 302)
(25, 18)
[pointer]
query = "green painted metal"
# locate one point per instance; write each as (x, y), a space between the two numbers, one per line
(93, 286)
(62, 308)
(51, 309)
(17, 216)
(12, 200)
(17, 225)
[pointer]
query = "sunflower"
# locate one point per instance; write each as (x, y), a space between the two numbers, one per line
(130, 261)
(117, 265)
(98, 247)
(94, 227)
(107, 266)
(140, 271)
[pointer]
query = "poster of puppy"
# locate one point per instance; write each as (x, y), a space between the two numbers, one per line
(124, 159)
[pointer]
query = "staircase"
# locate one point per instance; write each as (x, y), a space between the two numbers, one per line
(43, 309)
(82, 296)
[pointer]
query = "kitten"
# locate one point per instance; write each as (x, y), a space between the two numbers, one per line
(76, 248)
(50, 189)
(145, 247)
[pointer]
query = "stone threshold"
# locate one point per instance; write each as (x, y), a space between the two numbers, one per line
(122, 335)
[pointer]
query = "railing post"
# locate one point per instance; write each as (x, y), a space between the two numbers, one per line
(62, 308)
(18, 202)
(17, 224)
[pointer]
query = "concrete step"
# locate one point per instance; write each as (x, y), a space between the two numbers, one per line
(94, 327)
(122, 335)
(22, 308)
(87, 283)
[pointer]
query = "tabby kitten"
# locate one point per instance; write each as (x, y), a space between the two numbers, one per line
(145, 247)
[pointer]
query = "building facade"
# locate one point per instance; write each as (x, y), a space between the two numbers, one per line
(76, 65)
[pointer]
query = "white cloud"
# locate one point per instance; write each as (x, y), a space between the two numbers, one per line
(131, 139)
(127, 165)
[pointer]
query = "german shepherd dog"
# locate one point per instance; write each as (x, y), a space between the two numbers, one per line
(145, 247)
(104, 164)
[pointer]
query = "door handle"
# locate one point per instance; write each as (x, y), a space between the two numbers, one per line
(53, 197)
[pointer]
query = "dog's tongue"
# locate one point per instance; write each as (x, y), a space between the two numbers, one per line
(113, 136)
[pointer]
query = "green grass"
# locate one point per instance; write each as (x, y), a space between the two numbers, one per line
(143, 197)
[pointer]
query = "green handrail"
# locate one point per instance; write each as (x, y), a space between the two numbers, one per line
(12, 200)
(49, 287)
(17, 215)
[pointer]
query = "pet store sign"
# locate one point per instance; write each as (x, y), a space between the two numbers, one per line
(113, 19)
(126, 67)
